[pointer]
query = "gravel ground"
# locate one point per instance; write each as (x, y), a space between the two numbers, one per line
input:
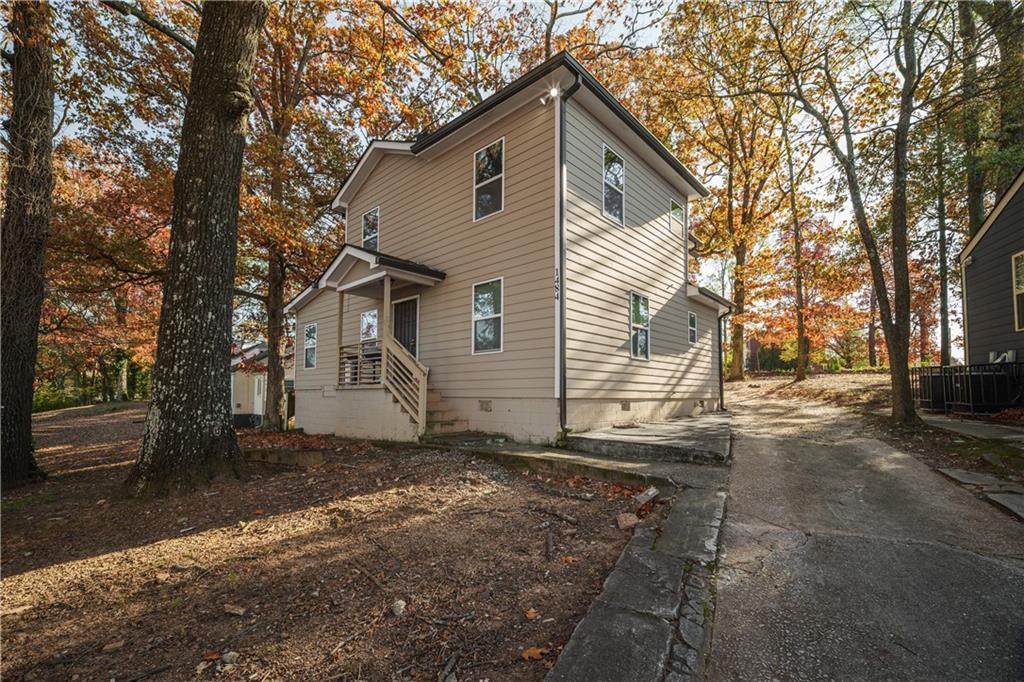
(295, 574)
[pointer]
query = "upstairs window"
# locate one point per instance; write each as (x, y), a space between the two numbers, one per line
(489, 180)
(679, 218)
(614, 186)
(639, 326)
(309, 346)
(488, 304)
(692, 327)
(1018, 291)
(371, 226)
(368, 325)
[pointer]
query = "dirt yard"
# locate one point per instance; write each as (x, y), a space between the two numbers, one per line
(295, 574)
(869, 395)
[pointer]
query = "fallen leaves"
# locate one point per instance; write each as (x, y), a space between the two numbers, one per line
(532, 614)
(233, 610)
(534, 653)
(570, 560)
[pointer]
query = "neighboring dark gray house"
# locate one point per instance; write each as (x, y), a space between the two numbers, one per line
(992, 271)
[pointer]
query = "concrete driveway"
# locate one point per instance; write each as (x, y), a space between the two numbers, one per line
(846, 559)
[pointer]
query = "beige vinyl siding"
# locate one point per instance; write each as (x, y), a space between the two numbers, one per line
(323, 310)
(426, 215)
(605, 261)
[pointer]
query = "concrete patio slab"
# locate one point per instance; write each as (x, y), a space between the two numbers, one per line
(703, 439)
(1012, 502)
(975, 428)
(973, 478)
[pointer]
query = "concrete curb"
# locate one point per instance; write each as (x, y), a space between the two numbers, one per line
(652, 621)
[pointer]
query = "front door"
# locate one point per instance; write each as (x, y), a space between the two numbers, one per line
(406, 324)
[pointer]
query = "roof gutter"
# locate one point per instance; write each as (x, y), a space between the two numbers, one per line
(560, 275)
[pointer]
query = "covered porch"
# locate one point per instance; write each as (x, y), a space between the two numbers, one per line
(384, 357)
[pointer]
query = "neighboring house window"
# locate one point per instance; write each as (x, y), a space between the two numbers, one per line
(487, 316)
(678, 218)
(639, 326)
(309, 346)
(371, 225)
(489, 180)
(1018, 290)
(614, 183)
(692, 324)
(368, 325)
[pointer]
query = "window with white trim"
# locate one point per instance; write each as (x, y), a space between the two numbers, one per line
(1018, 290)
(613, 180)
(489, 179)
(309, 346)
(488, 309)
(371, 228)
(368, 325)
(692, 326)
(639, 326)
(679, 218)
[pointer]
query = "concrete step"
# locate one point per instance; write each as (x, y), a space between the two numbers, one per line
(441, 414)
(446, 426)
(465, 439)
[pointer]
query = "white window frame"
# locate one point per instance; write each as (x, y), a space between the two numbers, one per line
(474, 319)
(672, 218)
(691, 326)
(629, 313)
(375, 326)
(477, 185)
(362, 227)
(1018, 319)
(316, 341)
(607, 147)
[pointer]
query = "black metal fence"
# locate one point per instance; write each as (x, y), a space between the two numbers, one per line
(984, 388)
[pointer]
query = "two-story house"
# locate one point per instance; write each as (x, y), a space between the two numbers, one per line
(520, 270)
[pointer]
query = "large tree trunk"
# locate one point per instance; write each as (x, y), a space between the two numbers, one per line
(872, 330)
(189, 436)
(898, 332)
(1006, 21)
(25, 229)
(739, 299)
(971, 117)
(940, 157)
(802, 349)
(273, 417)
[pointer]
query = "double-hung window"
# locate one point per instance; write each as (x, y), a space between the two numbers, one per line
(489, 180)
(371, 227)
(678, 218)
(488, 307)
(613, 186)
(1018, 290)
(368, 325)
(639, 326)
(309, 346)
(692, 326)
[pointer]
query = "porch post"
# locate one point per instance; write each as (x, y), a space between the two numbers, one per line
(385, 315)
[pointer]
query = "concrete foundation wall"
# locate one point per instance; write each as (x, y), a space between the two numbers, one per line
(585, 415)
(524, 420)
(316, 410)
(371, 413)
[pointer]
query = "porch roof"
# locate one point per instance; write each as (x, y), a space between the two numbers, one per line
(361, 271)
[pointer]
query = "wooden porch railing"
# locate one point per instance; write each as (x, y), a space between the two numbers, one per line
(359, 364)
(406, 378)
(386, 362)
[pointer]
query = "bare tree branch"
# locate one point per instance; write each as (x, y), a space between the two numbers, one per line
(128, 9)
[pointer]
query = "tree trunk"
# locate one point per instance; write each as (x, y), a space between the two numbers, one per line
(798, 247)
(739, 296)
(189, 436)
(940, 157)
(898, 332)
(872, 330)
(971, 118)
(1006, 21)
(24, 232)
(273, 412)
